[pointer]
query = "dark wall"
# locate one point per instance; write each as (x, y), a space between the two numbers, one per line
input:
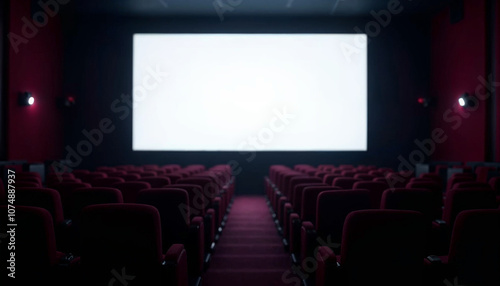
(98, 70)
(458, 61)
(461, 62)
(35, 65)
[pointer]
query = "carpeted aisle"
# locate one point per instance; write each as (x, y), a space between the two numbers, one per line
(249, 252)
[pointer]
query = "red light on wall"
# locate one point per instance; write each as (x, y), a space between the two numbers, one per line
(424, 101)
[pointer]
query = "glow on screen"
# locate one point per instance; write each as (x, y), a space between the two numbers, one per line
(242, 92)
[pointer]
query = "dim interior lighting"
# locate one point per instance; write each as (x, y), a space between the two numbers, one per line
(26, 99)
(468, 101)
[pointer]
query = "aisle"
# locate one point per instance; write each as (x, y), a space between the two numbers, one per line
(249, 252)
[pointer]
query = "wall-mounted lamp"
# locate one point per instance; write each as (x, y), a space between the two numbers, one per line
(467, 101)
(25, 99)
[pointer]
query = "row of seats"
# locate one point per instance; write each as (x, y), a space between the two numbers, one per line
(190, 213)
(312, 211)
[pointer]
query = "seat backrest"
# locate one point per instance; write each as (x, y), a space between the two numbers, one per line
(383, 247)
(106, 182)
(345, 183)
(173, 206)
(435, 188)
(348, 173)
(121, 237)
(92, 176)
(129, 177)
(45, 198)
(432, 176)
(458, 200)
(296, 198)
(475, 249)
(459, 178)
(299, 180)
(130, 190)
(26, 184)
(84, 197)
(328, 178)
(376, 189)
(482, 173)
(66, 189)
(209, 187)
(414, 199)
(197, 200)
(35, 252)
(156, 182)
(471, 184)
(332, 209)
(309, 199)
(364, 177)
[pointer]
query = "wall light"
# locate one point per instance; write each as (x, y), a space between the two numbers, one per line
(467, 101)
(25, 99)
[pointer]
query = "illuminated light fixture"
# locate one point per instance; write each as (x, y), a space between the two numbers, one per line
(424, 101)
(25, 99)
(467, 101)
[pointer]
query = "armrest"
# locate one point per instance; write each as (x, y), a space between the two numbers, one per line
(281, 206)
(175, 264)
(327, 266)
(195, 247)
(433, 260)
(438, 224)
(295, 226)
(308, 238)
(209, 229)
(286, 218)
(217, 203)
(67, 222)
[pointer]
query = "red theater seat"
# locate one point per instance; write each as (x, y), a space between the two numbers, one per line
(131, 189)
(66, 189)
(376, 189)
(344, 182)
(474, 253)
(332, 209)
(176, 224)
(379, 247)
(126, 238)
(37, 262)
(155, 182)
(106, 182)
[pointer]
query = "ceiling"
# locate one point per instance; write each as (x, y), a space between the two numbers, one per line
(339, 8)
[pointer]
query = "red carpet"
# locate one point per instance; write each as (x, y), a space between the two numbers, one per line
(249, 252)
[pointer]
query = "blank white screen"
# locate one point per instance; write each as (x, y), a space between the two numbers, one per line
(228, 92)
